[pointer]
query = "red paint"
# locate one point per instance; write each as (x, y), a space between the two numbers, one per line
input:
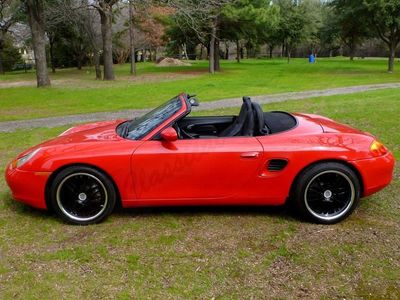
(169, 134)
(212, 171)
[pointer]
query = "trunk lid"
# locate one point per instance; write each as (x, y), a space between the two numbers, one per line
(331, 126)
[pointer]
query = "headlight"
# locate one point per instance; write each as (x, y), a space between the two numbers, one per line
(22, 160)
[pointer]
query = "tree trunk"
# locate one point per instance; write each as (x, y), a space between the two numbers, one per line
(201, 51)
(1, 51)
(217, 66)
(289, 54)
(35, 11)
(238, 51)
(106, 33)
(271, 49)
(80, 55)
(132, 39)
(392, 56)
(1, 60)
(352, 49)
(79, 62)
(211, 53)
(97, 64)
(52, 60)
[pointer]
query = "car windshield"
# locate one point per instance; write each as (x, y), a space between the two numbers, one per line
(139, 127)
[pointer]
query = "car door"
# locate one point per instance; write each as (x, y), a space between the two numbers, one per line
(194, 168)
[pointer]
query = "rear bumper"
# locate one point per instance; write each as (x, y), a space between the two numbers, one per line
(27, 186)
(376, 172)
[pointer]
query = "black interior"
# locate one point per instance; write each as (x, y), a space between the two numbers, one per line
(251, 121)
(243, 125)
(278, 121)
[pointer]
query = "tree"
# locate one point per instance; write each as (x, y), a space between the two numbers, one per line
(66, 33)
(140, 24)
(105, 9)
(132, 38)
(271, 35)
(176, 36)
(329, 32)
(358, 18)
(73, 31)
(36, 18)
(204, 18)
(9, 13)
(248, 20)
(9, 55)
(352, 21)
(314, 15)
(294, 20)
(384, 17)
(90, 23)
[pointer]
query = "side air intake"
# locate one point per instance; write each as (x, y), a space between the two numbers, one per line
(275, 165)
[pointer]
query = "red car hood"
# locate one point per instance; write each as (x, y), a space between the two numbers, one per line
(98, 131)
(93, 128)
(329, 125)
(92, 132)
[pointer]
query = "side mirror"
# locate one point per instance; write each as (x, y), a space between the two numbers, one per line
(169, 134)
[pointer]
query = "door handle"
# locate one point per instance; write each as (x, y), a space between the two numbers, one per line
(253, 154)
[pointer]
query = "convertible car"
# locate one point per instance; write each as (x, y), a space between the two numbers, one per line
(166, 158)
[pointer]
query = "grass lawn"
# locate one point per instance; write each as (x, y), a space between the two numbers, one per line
(75, 91)
(207, 253)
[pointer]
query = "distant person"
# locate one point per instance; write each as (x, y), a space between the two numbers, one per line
(311, 59)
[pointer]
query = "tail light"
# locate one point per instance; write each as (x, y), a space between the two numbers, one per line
(378, 149)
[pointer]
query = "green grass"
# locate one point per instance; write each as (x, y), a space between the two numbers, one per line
(206, 253)
(76, 92)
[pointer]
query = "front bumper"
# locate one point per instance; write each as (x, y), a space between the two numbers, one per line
(376, 172)
(27, 186)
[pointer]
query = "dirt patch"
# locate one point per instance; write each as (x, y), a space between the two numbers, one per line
(161, 77)
(172, 62)
(121, 80)
(17, 84)
(125, 80)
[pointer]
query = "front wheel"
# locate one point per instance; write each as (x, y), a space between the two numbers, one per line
(82, 195)
(327, 193)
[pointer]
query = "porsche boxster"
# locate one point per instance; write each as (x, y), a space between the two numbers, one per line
(167, 157)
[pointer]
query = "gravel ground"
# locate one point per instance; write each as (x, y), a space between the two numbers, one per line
(232, 102)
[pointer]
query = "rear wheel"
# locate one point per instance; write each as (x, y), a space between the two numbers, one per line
(327, 192)
(82, 195)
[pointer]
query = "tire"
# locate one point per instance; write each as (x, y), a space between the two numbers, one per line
(327, 193)
(82, 195)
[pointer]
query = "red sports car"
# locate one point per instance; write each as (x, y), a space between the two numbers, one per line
(167, 158)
